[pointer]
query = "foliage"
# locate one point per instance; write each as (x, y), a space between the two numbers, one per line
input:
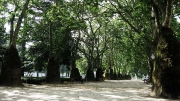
(117, 34)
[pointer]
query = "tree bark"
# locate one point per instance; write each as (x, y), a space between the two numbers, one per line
(12, 25)
(53, 74)
(166, 70)
(166, 75)
(75, 74)
(167, 20)
(150, 70)
(90, 72)
(50, 40)
(11, 70)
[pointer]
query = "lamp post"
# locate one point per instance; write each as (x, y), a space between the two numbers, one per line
(152, 56)
(151, 67)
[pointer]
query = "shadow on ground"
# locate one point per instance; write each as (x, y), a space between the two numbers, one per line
(124, 90)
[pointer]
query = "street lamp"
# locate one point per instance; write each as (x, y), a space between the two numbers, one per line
(151, 67)
(152, 56)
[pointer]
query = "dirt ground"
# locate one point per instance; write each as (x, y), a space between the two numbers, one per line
(109, 90)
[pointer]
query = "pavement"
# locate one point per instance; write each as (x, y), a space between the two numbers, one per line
(109, 90)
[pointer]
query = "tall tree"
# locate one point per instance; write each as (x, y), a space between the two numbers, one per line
(167, 50)
(11, 70)
(53, 73)
(64, 23)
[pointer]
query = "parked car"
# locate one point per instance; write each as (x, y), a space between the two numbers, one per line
(145, 79)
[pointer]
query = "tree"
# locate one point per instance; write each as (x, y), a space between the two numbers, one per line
(2, 48)
(11, 70)
(64, 24)
(167, 50)
(133, 25)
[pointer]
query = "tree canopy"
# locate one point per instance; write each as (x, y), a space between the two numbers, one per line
(87, 34)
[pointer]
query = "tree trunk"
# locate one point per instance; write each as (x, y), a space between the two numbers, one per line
(75, 74)
(11, 69)
(166, 73)
(14, 40)
(90, 75)
(150, 70)
(12, 25)
(99, 74)
(53, 74)
(74, 71)
(50, 40)
(90, 72)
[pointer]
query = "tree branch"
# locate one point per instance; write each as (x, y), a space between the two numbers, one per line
(168, 14)
(13, 43)
(161, 5)
(124, 18)
(155, 14)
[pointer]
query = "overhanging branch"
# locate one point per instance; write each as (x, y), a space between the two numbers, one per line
(124, 18)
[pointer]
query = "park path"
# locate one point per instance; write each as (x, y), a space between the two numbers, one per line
(109, 90)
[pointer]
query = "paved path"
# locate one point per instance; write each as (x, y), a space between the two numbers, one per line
(112, 90)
